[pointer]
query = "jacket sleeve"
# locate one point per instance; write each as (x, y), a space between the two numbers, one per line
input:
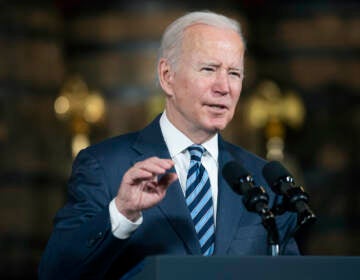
(82, 244)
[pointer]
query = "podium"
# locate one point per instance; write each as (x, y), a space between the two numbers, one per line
(249, 267)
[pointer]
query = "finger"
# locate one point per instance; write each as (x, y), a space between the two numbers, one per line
(154, 162)
(150, 187)
(166, 180)
(165, 163)
(161, 187)
(155, 165)
(137, 175)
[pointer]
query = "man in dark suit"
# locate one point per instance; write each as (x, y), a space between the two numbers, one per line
(128, 196)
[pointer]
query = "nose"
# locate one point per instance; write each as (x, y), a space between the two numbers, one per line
(222, 85)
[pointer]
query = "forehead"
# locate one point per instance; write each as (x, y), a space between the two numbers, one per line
(211, 40)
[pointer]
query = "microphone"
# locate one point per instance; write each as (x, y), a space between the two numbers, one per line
(255, 199)
(295, 197)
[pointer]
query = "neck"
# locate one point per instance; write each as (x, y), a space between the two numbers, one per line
(197, 136)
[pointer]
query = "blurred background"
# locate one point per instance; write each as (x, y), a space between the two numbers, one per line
(74, 72)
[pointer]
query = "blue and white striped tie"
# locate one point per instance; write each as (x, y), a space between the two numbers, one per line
(199, 200)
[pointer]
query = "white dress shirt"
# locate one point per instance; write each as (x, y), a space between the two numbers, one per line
(177, 144)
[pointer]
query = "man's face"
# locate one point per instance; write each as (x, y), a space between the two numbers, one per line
(205, 85)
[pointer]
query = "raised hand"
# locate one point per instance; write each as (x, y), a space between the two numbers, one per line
(143, 186)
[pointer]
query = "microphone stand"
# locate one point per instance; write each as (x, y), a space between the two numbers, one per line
(268, 221)
(256, 200)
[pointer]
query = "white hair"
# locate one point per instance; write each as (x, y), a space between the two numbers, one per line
(170, 47)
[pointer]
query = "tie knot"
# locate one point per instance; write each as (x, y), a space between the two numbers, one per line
(196, 152)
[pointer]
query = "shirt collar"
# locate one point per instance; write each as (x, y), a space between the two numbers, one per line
(177, 142)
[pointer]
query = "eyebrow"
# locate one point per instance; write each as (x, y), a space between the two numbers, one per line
(240, 69)
(216, 64)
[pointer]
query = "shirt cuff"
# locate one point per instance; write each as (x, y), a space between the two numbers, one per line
(122, 227)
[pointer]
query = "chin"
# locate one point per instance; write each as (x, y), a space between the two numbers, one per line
(220, 124)
(214, 124)
(217, 126)
(220, 127)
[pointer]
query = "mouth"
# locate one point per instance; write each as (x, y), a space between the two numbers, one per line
(217, 107)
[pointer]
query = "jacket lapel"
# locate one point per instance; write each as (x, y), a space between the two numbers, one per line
(230, 207)
(151, 143)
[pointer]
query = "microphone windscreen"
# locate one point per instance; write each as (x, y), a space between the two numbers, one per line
(274, 171)
(233, 171)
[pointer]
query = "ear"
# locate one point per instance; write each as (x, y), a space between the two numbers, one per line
(166, 77)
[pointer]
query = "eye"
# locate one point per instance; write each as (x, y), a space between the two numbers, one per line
(236, 74)
(208, 69)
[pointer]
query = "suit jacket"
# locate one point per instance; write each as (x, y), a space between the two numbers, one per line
(82, 245)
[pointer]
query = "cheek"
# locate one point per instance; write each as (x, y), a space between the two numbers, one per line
(236, 90)
(236, 98)
(195, 90)
(184, 86)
